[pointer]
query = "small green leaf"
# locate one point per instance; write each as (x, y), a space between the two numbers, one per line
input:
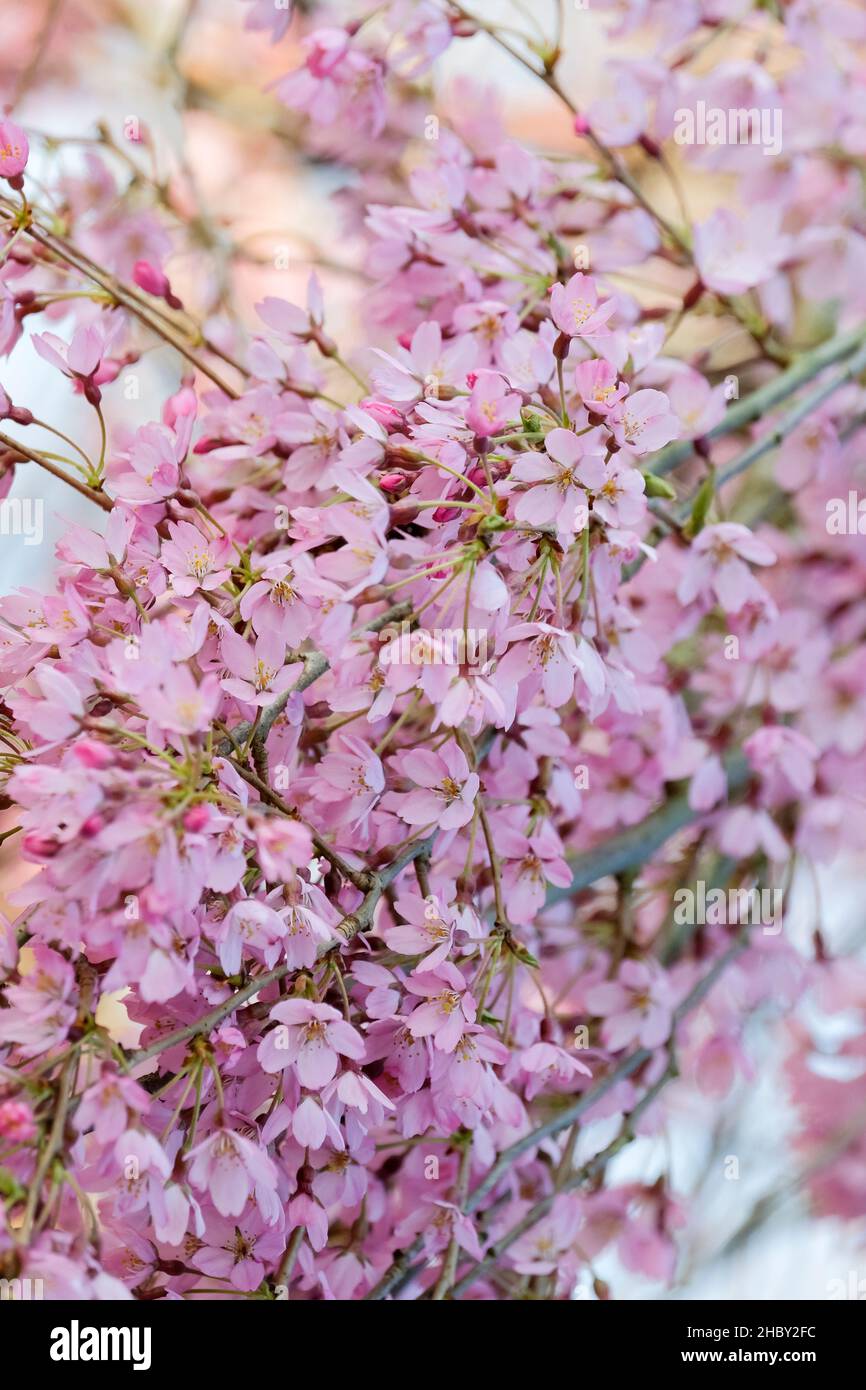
(700, 510)
(658, 487)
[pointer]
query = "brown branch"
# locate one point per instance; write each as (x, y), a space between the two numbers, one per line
(359, 877)
(90, 493)
(315, 665)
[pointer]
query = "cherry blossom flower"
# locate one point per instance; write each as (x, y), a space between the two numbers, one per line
(636, 1007)
(231, 1168)
(619, 500)
(275, 604)
(645, 422)
(109, 1105)
(425, 367)
(558, 478)
(598, 387)
(336, 77)
(193, 561)
(311, 1038)
(179, 704)
(533, 862)
(250, 924)
(445, 792)
(549, 1064)
(554, 658)
(736, 253)
(240, 1252)
(80, 360)
(154, 460)
(450, 1006)
(718, 566)
(352, 776)
(259, 673)
(17, 1125)
(14, 151)
(427, 927)
(576, 309)
(386, 914)
(491, 405)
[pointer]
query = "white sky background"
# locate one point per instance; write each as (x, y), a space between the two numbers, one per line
(794, 1255)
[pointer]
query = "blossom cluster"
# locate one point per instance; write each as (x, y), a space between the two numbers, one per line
(397, 929)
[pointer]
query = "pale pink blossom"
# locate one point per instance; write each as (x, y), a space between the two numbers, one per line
(311, 1038)
(491, 406)
(577, 310)
(718, 566)
(636, 1007)
(445, 792)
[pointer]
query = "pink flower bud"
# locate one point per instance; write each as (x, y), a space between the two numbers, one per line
(196, 818)
(206, 444)
(391, 482)
(387, 415)
(183, 402)
(38, 846)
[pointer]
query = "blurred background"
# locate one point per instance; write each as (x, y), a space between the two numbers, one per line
(265, 214)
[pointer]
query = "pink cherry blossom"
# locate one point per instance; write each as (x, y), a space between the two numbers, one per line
(194, 561)
(491, 405)
(452, 558)
(445, 792)
(450, 1006)
(636, 1007)
(719, 566)
(258, 673)
(230, 1168)
(735, 253)
(558, 481)
(645, 422)
(577, 310)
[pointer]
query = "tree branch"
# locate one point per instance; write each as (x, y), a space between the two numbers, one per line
(315, 665)
(90, 493)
